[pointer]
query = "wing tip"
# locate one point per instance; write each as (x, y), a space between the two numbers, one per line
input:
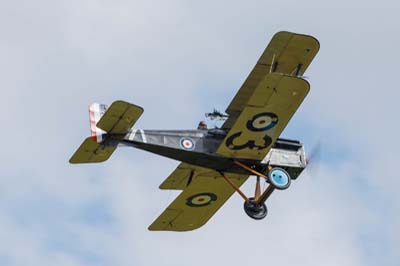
(129, 104)
(288, 33)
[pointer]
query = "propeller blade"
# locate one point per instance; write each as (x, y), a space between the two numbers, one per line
(313, 159)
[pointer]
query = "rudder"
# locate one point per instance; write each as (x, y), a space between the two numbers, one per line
(96, 111)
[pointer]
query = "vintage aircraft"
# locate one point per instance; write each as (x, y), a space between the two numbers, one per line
(217, 161)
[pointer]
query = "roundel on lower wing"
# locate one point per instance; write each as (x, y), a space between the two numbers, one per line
(262, 122)
(201, 199)
(187, 143)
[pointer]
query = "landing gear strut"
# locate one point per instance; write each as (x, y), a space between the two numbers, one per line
(255, 206)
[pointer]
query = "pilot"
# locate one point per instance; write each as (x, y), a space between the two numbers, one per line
(202, 125)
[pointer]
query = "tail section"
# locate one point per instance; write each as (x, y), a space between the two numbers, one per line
(96, 111)
(105, 123)
(92, 152)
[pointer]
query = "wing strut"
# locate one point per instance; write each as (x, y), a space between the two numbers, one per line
(251, 170)
(236, 188)
(259, 198)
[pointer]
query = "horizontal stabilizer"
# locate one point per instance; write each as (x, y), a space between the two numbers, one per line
(120, 117)
(92, 152)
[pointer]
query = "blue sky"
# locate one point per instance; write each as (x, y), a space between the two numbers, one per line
(178, 60)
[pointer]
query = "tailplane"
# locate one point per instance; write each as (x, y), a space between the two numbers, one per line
(105, 123)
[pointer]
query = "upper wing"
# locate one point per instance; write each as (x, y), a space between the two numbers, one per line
(204, 192)
(287, 53)
(264, 117)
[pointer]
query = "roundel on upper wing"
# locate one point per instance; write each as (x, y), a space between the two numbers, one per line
(201, 199)
(262, 122)
(187, 143)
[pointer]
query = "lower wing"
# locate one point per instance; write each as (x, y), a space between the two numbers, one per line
(204, 192)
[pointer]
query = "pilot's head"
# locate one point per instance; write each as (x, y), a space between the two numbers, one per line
(202, 125)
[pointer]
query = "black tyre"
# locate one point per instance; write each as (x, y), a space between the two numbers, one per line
(254, 210)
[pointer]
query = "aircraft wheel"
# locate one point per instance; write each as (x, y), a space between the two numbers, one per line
(279, 178)
(254, 210)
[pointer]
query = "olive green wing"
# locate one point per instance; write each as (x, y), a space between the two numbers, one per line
(181, 177)
(287, 53)
(264, 117)
(204, 192)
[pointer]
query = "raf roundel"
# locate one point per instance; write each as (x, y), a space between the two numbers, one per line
(263, 121)
(201, 199)
(187, 143)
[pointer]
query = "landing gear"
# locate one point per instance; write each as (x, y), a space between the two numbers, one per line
(255, 210)
(255, 206)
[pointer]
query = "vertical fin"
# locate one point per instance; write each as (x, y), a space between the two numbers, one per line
(96, 111)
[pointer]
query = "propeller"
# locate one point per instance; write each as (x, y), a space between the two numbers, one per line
(313, 159)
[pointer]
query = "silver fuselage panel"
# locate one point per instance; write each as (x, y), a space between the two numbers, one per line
(199, 147)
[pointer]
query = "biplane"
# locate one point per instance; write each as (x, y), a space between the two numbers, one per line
(215, 162)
